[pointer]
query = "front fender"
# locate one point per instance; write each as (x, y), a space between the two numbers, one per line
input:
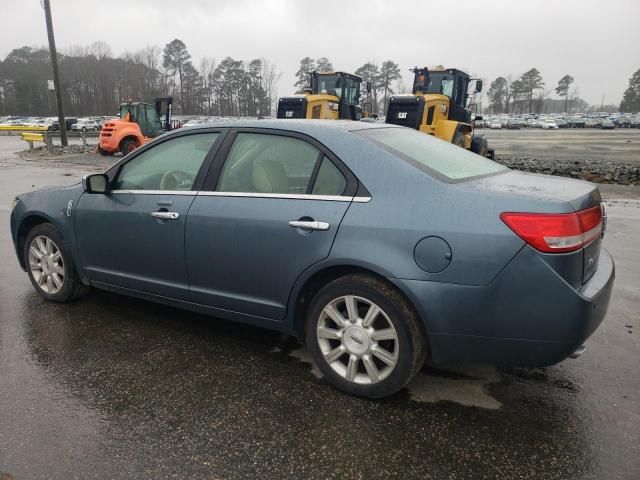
(55, 206)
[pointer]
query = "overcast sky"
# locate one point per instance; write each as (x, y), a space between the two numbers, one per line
(596, 41)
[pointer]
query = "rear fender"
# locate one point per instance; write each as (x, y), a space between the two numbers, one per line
(111, 136)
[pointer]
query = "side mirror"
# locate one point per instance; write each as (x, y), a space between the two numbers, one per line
(478, 86)
(98, 183)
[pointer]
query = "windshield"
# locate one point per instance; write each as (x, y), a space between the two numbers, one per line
(438, 158)
(441, 82)
(329, 84)
(126, 108)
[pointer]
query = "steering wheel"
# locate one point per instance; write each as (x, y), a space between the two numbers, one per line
(174, 179)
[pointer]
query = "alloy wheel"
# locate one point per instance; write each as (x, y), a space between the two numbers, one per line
(357, 340)
(46, 264)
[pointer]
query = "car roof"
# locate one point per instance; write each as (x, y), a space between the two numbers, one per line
(297, 125)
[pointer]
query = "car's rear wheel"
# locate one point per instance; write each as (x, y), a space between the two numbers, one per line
(364, 336)
(50, 266)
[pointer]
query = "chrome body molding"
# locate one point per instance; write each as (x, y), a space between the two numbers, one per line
(290, 196)
(158, 192)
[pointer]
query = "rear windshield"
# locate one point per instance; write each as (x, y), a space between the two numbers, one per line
(438, 158)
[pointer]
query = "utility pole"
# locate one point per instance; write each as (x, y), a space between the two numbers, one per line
(56, 77)
(602, 104)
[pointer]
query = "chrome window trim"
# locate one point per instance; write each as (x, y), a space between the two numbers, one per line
(158, 192)
(290, 196)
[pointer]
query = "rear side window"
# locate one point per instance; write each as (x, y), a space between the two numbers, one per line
(438, 158)
(330, 181)
(264, 163)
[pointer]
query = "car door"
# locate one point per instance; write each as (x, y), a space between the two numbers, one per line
(273, 207)
(133, 236)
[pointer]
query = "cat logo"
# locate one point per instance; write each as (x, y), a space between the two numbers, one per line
(288, 114)
(402, 114)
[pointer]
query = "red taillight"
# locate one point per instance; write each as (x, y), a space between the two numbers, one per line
(556, 232)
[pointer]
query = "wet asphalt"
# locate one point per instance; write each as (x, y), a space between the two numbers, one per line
(110, 387)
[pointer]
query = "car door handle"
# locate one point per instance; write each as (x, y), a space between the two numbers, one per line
(309, 225)
(165, 215)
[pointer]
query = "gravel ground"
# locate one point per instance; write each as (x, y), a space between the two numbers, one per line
(594, 155)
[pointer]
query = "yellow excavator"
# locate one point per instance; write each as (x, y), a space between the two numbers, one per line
(329, 95)
(439, 106)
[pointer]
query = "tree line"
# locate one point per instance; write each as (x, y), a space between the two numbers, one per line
(528, 95)
(93, 81)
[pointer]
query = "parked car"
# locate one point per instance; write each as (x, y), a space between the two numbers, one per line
(607, 124)
(512, 125)
(549, 125)
(84, 125)
(69, 122)
(378, 245)
(622, 122)
(575, 122)
(495, 124)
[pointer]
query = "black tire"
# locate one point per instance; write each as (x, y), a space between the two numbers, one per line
(72, 286)
(480, 146)
(411, 341)
(102, 152)
(458, 139)
(128, 146)
(84, 129)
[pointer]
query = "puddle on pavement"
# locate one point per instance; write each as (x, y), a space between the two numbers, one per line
(467, 386)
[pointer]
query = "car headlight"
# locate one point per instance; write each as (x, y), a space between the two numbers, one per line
(14, 204)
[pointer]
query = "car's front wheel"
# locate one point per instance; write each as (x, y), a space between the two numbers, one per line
(364, 336)
(50, 266)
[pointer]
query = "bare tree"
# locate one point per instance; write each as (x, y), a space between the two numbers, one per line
(270, 78)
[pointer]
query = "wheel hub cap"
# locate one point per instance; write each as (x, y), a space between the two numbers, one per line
(356, 340)
(46, 265)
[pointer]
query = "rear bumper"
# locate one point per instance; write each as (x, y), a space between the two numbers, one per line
(528, 316)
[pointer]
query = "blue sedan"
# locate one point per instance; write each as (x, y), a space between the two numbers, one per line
(380, 246)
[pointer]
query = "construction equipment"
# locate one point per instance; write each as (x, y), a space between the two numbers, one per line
(440, 106)
(137, 124)
(330, 95)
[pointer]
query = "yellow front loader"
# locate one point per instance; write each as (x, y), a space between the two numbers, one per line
(439, 106)
(330, 95)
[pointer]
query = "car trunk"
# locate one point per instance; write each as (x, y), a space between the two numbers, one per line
(534, 196)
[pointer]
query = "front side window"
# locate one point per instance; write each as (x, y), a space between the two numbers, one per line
(438, 158)
(170, 165)
(263, 163)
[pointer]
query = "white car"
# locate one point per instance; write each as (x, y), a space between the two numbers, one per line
(549, 125)
(85, 125)
(495, 125)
